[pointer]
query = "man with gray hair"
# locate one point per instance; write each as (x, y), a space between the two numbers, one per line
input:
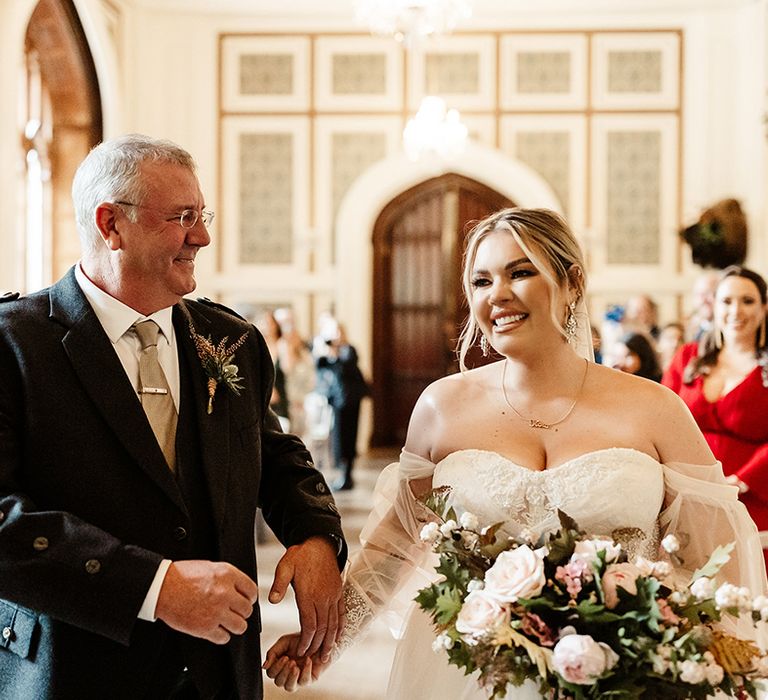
(136, 442)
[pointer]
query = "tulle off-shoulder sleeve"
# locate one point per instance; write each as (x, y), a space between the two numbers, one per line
(704, 511)
(383, 577)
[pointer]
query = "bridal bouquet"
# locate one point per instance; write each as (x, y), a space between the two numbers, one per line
(572, 614)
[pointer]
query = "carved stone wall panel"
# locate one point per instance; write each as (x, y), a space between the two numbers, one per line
(634, 71)
(448, 73)
(359, 74)
(266, 198)
(548, 153)
(543, 71)
(352, 154)
(266, 74)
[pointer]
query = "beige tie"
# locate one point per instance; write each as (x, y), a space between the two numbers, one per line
(155, 393)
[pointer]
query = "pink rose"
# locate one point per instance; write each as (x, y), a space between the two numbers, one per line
(619, 576)
(516, 573)
(580, 659)
(586, 550)
(481, 613)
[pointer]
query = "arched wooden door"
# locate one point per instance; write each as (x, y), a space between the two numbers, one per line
(418, 242)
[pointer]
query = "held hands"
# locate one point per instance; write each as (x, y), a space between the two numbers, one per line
(287, 668)
(311, 568)
(206, 599)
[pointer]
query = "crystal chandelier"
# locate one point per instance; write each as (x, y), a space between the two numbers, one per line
(434, 130)
(410, 21)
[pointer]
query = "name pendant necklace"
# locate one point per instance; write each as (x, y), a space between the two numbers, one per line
(535, 422)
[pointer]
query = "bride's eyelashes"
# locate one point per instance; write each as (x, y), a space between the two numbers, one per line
(517, 273)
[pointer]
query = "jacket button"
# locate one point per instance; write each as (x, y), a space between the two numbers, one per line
(332, 507)
(40, 544)
(93, 566)
(179, 533)
(310, 463)
(2, 516)
(7, 633)
(320, 488)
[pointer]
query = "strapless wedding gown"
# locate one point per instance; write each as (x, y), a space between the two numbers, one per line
(613, 491)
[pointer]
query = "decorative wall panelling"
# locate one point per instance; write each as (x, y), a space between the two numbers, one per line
(596, 113)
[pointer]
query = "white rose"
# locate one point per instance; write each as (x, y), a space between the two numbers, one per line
(714, 673)
(670, 544)
(580, 659)
(516, 573)
(442, 642)
(730, 596)
(619, 576)
(480, 614)
(475, 585)
(692, 672)
(448, 527)
(644, 566)
(430, 533)
(586, 550)
(703, 588)
(469, 521)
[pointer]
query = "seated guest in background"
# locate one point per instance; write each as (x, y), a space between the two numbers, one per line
(671, 339)
(635, 354)
(724, 381)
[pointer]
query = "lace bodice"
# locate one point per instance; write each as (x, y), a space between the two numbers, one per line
(611, 491)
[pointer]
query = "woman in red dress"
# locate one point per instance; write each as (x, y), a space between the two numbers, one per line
(724, 381)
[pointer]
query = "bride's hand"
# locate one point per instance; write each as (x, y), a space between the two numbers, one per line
(287, 669)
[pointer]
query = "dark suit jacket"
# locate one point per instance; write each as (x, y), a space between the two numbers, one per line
(88, 507)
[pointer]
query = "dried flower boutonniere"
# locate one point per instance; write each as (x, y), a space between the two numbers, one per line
(217, 363)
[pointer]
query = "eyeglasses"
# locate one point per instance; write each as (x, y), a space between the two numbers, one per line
(186, 219)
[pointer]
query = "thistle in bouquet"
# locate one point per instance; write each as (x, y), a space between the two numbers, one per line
(572, 614)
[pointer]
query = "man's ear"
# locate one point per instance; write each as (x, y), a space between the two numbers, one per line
(106, 222)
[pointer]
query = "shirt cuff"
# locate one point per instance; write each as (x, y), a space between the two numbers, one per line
(147, 611)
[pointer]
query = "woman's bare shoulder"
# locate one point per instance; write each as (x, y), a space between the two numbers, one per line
(442, 400)
(606, 381)
(656, 413)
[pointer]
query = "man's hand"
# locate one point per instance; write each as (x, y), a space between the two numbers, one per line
(207, 599)
(289, 670)
(312, 570)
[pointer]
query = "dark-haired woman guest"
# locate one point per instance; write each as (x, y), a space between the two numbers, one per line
(634, 353)
(724, 381)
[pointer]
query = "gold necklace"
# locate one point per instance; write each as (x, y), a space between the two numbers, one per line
(535, 422)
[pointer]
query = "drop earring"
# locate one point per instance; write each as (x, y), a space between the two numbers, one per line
(570, 323)
(484, 346)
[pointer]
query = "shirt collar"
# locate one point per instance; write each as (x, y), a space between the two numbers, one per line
(115, 317)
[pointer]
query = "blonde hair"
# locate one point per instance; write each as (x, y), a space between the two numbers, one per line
(549, 244)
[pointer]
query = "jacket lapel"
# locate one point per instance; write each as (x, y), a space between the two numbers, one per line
(103, 379)
(214, 428)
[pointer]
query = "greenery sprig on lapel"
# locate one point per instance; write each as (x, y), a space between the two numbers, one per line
(218, 363)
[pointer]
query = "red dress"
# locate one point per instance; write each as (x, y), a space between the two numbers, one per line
(735, 426)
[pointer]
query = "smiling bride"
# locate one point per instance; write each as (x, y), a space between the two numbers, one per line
(515, 440)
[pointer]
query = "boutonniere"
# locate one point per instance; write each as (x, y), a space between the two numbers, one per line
(217, 363)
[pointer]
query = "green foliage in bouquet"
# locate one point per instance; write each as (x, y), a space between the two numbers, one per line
(573, 615)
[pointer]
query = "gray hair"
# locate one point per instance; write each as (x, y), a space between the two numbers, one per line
(112, 172)
(549, 244)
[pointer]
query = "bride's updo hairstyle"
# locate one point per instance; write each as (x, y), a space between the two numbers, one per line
(549, 244)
